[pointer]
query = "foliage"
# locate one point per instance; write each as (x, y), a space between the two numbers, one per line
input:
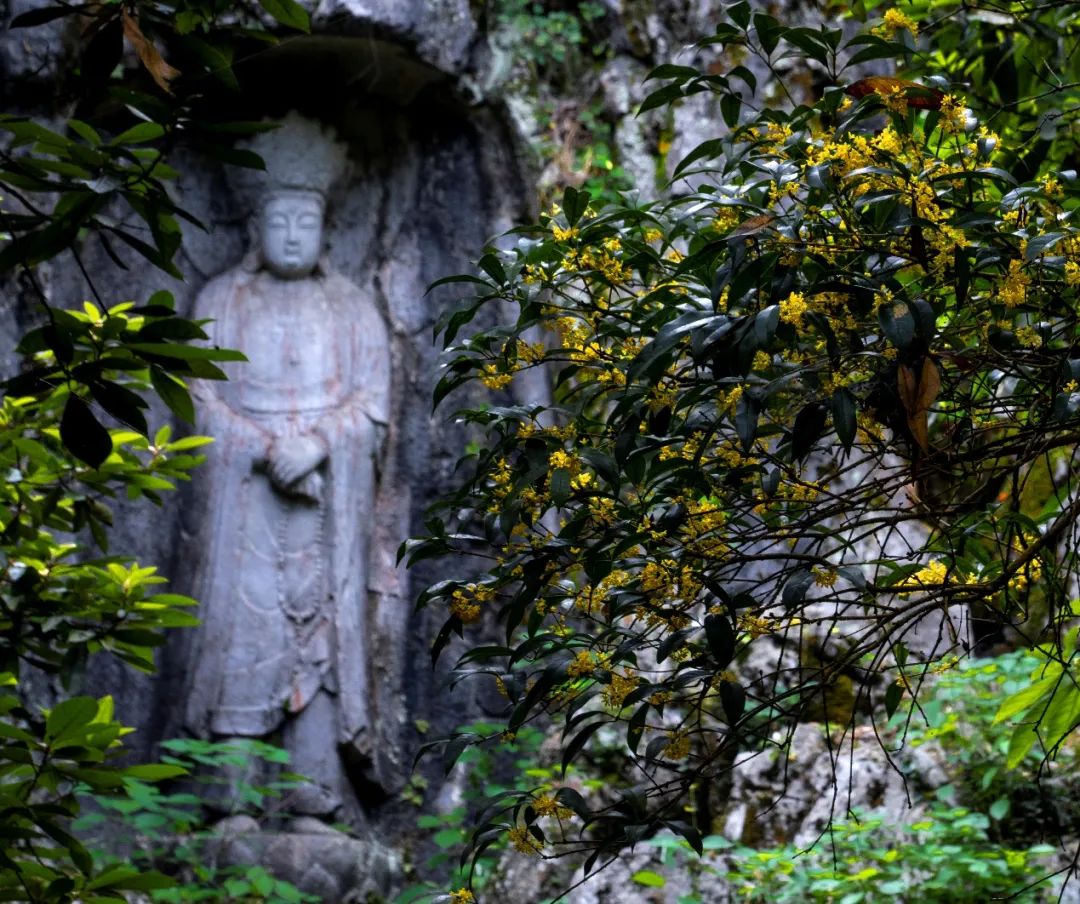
(550, 40)
(74, 430)
(958, 712)
(488, 765)
(823, 401)
(59, 604)
(170, 831)
(943, 857)
(1047, 707)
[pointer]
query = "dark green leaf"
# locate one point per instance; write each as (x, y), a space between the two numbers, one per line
(897, 324)
(795, 589)
(659, 98)
(560, 486)
(768, 31)
(82, 435)
(721, 638)
(574, 204)
(35, 17)
(69, 718)
(288, 13)
(746, 417)
(730, 107)
(844, 414)
(733, 700)
(102, 55)
(807, 430)
(740, 13)
(893, 693)
(174, 394)
(123, 404)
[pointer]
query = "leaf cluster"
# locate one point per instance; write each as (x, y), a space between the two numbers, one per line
(822, 398)
(75, 431)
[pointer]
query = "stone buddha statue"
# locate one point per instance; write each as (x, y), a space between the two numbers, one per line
(283, 511)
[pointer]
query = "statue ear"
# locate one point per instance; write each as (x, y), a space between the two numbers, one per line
(251, 261)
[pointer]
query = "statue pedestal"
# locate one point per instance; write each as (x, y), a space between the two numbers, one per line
(327, 863)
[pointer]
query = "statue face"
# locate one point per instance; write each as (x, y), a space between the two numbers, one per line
(291, 233)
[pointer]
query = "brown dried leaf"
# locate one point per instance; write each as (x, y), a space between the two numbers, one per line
(753, 226)
(918, 96)
(929, 384)
(917, 395)
(160, 71)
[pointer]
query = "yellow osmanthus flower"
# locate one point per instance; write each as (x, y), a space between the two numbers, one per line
(1051, 186)
(462, 896)
(824, 577)
(619, 688)
(1072, 273)
(895, 21)
(1028, 337)
(793, 308)
(563, 235)
(524, 841)
(582, 481)
(658, 578)
(775, 133)
(888, 141)
(563, 459)
(1013, 290)
(947, 664)
(492, 378)
(702, 532)
(548, 805)
(930, 577)
(1032, 569)
(678, 746)
(465, 602)
(582, 664)
(602, 509)
(756, 626)
(727, 218)
(531, 352)
(662, 396)
(953, 114)
(895, 99)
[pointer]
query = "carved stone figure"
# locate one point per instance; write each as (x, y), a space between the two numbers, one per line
(285, 504)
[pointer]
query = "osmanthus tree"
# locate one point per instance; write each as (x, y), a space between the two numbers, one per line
(74, 430)
(823, 399)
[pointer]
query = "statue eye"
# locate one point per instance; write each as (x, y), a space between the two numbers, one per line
(308, 221)
(277, 222)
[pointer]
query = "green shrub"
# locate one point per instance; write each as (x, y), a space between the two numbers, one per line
(172, 831)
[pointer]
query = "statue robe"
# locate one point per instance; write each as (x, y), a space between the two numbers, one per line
(282, 580)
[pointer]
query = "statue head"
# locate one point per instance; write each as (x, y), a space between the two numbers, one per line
(303, 163)
(290, 232)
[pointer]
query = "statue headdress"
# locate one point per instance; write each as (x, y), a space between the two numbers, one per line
(300, 155)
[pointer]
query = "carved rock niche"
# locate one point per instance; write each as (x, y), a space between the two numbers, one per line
(379, 180)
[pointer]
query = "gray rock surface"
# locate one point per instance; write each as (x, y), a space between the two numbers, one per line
(329, 864)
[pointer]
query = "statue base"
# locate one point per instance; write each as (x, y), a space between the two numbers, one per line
(313, 856)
